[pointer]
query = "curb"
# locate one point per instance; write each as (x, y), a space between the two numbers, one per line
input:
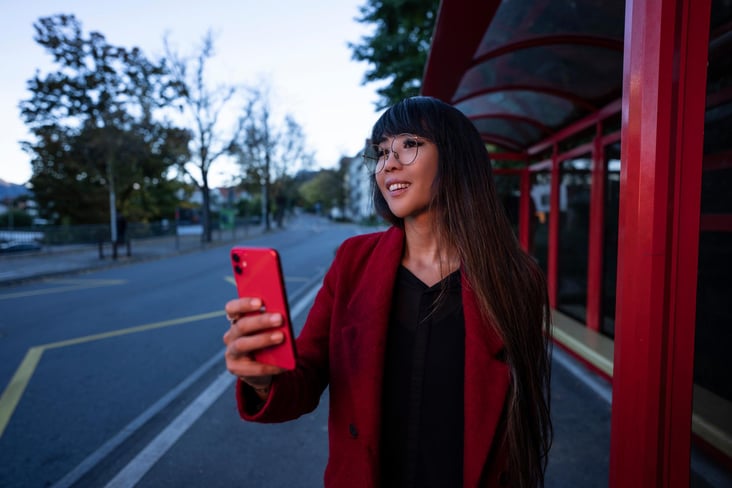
(108, 262)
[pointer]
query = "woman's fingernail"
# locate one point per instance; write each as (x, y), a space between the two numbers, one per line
(256, 302)
(277, 337)
(275, 319)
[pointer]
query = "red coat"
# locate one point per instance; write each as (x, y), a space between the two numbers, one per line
(342, 346)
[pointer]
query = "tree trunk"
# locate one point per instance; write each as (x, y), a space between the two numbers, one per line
(206, 194)
(267, 206)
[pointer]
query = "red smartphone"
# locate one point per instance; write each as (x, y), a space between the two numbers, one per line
(258, 274)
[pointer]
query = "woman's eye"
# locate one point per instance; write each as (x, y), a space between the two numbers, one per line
(411, 143)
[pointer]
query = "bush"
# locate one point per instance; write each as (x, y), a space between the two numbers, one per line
(20, 219)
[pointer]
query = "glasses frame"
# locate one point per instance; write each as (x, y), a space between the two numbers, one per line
(378, 164)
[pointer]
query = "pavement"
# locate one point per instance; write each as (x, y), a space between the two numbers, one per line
(55, 261)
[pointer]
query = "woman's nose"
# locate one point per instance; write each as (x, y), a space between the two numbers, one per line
(392, 160)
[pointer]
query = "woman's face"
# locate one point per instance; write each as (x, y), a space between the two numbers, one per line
(409, 169)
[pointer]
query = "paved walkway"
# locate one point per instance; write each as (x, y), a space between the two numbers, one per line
(78, 258)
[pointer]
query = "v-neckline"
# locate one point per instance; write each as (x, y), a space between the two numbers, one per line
(424, 286)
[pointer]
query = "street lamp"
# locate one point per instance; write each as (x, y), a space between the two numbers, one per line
(112, 204)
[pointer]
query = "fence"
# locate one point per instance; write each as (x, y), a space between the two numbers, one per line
(142, 235)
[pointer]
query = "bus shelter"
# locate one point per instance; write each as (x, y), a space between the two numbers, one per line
(610, 127)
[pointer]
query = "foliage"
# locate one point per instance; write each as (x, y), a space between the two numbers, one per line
(15, 218)
(204, 106)
(269, 153)
(325, 189)
(95, 130)
(248, 208)
(397, 50)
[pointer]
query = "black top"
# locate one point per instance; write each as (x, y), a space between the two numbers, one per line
(422, 400)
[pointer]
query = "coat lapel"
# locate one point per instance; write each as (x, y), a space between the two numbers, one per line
(486, 384)
(365, 337)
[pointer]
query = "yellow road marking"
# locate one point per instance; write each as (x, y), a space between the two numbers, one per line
(14, 391)
(16, 387)
(67, 285)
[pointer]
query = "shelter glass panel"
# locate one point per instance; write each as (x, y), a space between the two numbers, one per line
(549, 110)
(590, 72)
(574, 233)
(713, 331)
(540, 198)
(512, 131)
(526, 19)
(508, 190)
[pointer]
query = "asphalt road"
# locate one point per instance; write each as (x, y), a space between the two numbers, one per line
(107, 360)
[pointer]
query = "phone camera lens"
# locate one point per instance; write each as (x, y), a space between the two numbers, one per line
(235, 257)
(237, 269)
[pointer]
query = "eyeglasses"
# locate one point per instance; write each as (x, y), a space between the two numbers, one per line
(404, 147)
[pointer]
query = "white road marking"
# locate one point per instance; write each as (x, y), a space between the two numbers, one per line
(146, 459)
(97, 456)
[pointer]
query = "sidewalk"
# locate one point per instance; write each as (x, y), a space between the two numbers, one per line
(78, 258)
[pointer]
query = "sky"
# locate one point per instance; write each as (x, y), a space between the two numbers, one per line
(299, 48)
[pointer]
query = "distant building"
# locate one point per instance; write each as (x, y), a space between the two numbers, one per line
(231, 195)
(359, 205)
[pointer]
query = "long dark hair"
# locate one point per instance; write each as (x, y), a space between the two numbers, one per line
(509, 286)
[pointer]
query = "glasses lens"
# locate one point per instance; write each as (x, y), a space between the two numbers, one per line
(406, 147)
(373, 157)
(403, 147)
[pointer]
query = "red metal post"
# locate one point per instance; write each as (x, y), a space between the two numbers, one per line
(596, 233)
(664, 80)
(554, 215)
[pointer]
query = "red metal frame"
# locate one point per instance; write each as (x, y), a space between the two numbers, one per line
(508, 156)
(664, 87)
(524, 230)
(553, 244)
(593, 118)
(596, 233)
(457, 35)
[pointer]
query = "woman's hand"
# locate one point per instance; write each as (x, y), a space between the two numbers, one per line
(248, 334)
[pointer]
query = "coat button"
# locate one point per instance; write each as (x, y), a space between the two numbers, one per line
(353, 430)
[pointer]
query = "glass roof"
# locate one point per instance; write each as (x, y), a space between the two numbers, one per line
(523, 69)
(521, 19)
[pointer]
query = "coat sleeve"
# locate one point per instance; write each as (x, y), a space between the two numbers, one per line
(298, 392)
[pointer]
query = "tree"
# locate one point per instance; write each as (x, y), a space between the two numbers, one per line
(325, 190)
(95, 126)
(269, 154)
(398, 48)
(204, 105)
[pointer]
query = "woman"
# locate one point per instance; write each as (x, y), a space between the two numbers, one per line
(430, 335)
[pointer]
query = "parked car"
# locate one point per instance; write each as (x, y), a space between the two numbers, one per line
(19, 246)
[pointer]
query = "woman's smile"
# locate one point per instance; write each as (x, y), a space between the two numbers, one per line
(397, 187)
